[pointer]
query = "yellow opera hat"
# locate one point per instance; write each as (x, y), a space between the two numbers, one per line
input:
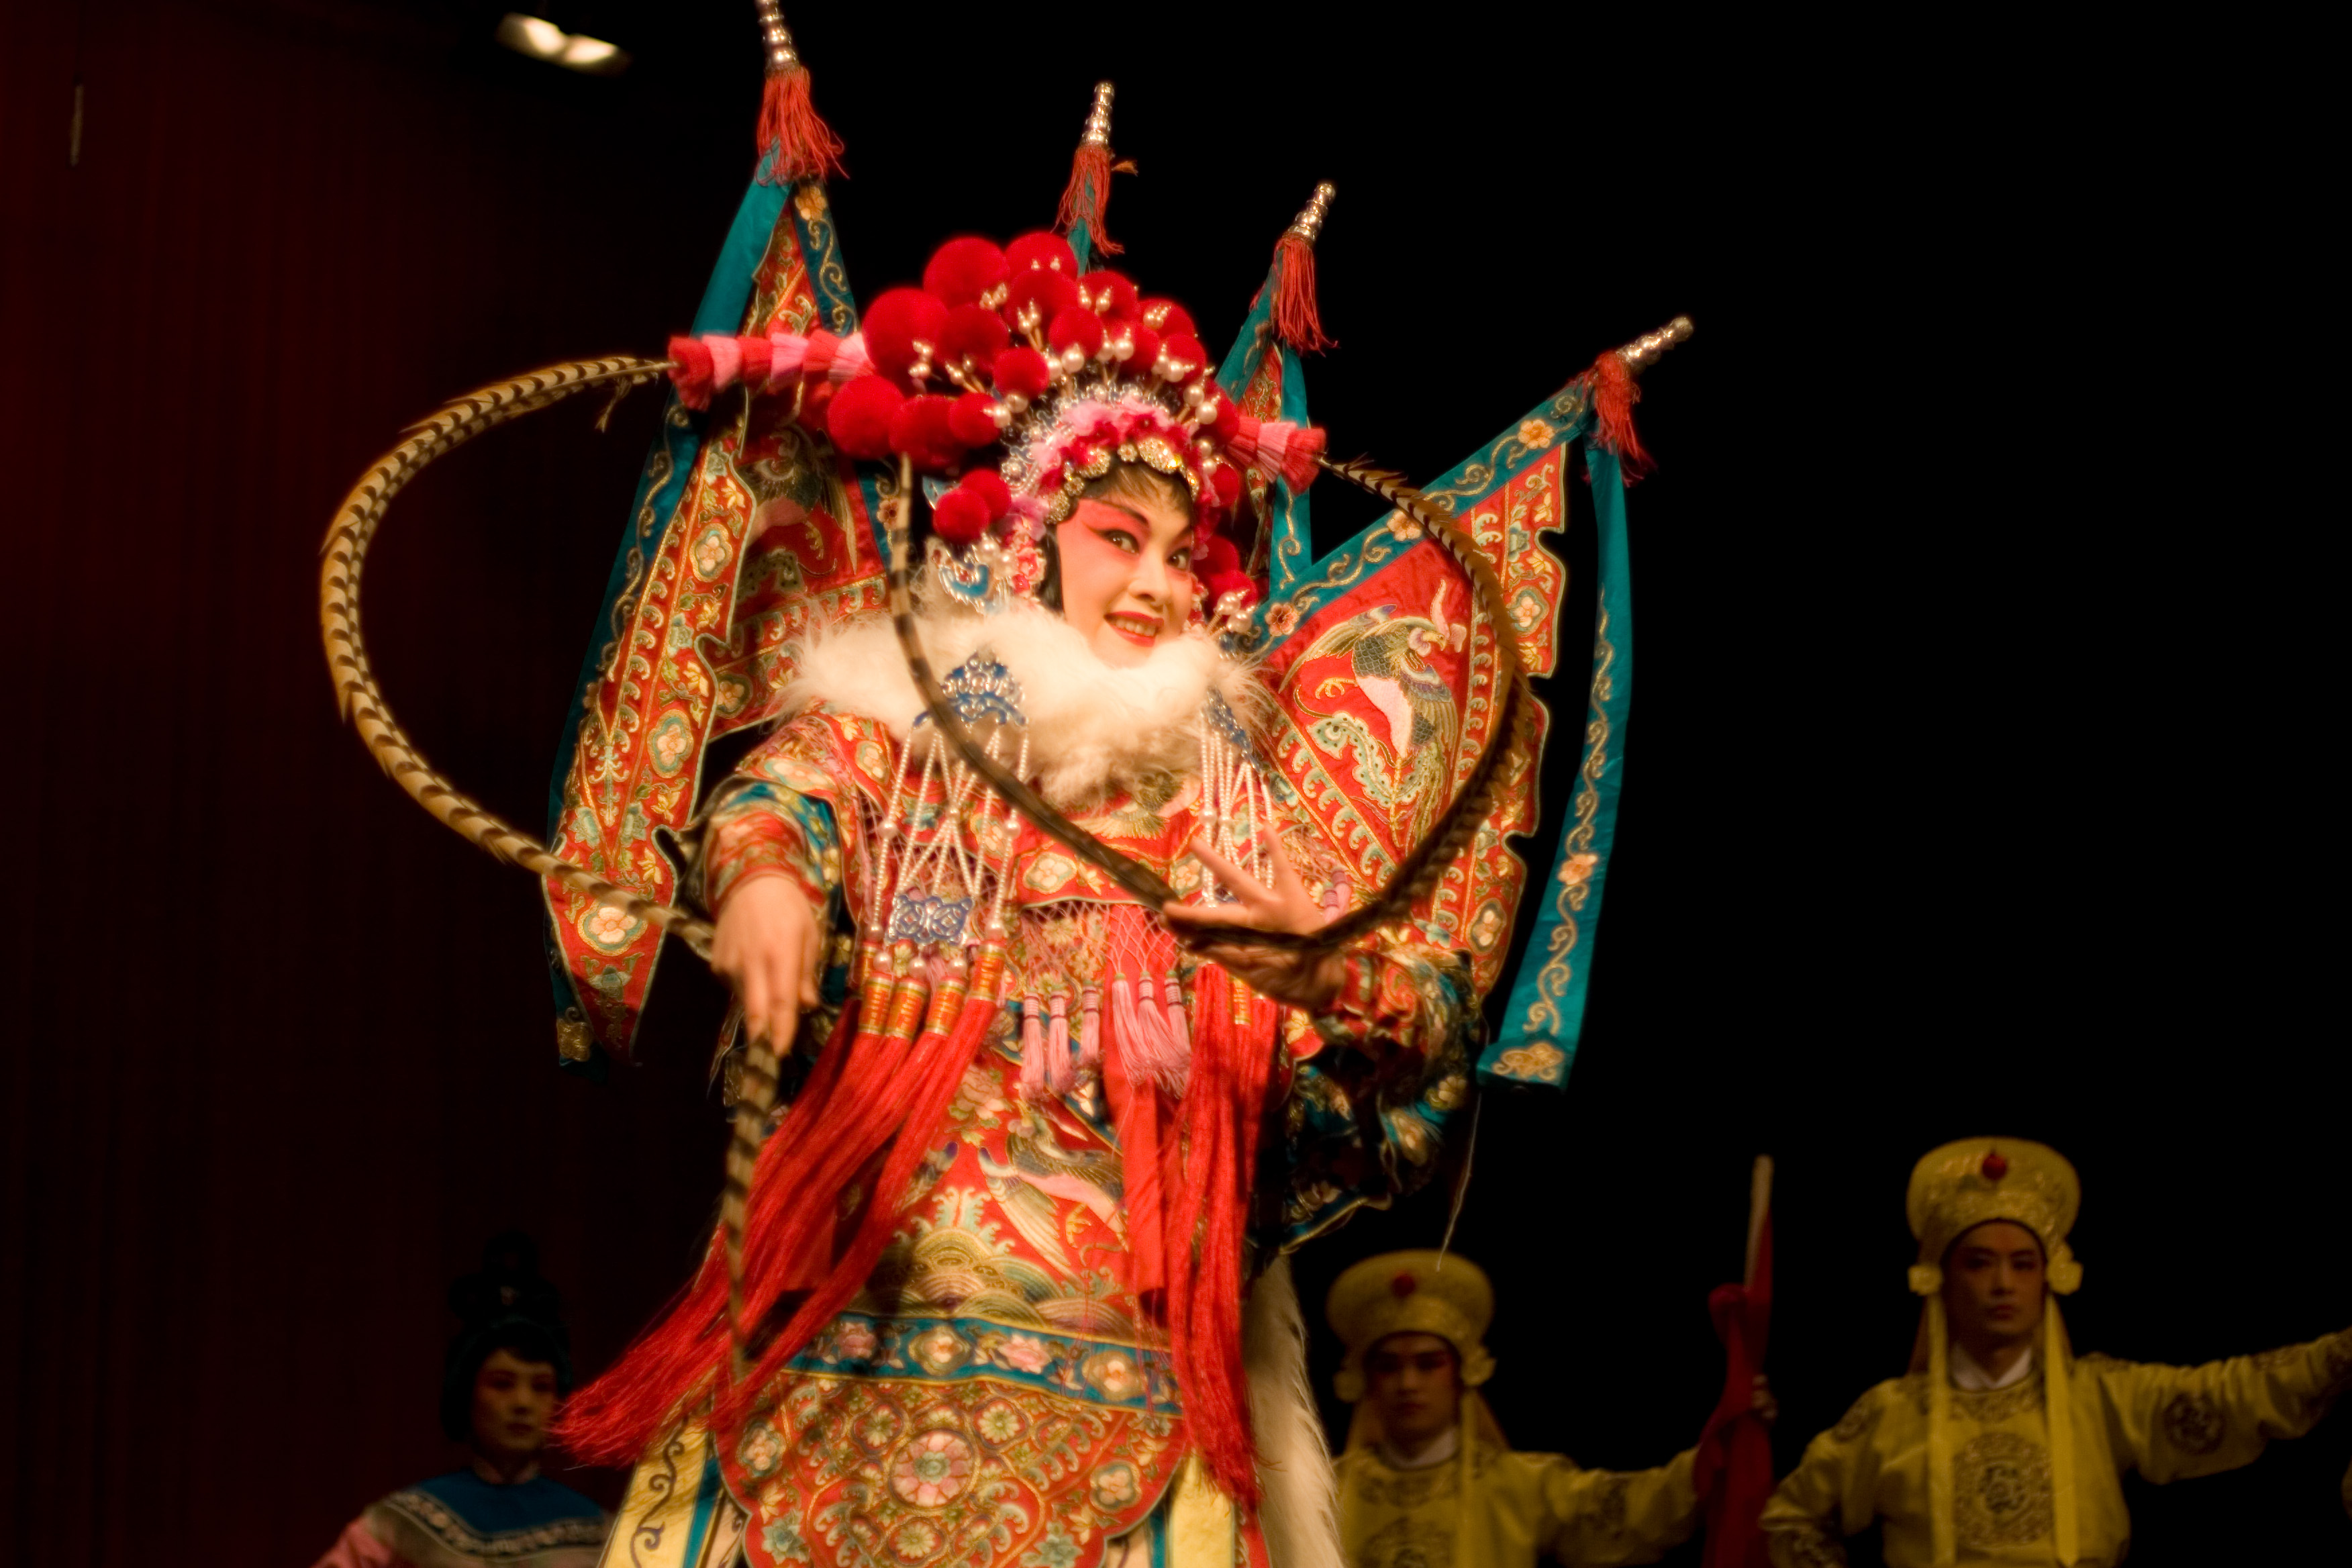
(1412, 1293)
(1976, 1180)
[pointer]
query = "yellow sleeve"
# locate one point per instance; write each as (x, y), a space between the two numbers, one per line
(1602, 1518)
(1831, 1494)
(2174, 1422)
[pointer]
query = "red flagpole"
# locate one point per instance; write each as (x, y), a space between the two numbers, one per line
(1733, 1472)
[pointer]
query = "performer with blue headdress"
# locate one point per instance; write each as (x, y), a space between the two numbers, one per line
(508, 1365)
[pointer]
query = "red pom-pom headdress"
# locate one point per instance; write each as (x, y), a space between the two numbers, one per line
(1015, 364)
(1004, 362)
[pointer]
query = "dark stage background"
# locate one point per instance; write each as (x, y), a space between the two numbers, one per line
(1975, 778)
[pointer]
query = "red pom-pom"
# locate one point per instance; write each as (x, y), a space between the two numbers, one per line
(1303, 458)
(961, 270)
(1040, 296)
(919, 430)
(1404, 1285)
(1184, 354)
(1042, 252)
(895, 323)
(972, 419)
(1994, 1166)
(1143, 347)
(759, 357)
(990, 488)
(1228, 423)
(692, 372)
(959, 516)
(860, 415)
(1077, 328)
(1107, 294)
(816, 405)
(1167, 317)
(1218, 556)
(1227, 484)
(1021, 372)
(971, 335)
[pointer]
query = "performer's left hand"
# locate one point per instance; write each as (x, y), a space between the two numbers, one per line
(1303, 979)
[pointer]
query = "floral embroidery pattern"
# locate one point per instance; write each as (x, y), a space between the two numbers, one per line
(964, 1474)
(932, 1469)
(761, 1449)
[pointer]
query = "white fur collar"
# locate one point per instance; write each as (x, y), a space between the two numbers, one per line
(1093, 729)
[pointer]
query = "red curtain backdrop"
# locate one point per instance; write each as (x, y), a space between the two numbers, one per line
(280, 1055)
(1974, 777)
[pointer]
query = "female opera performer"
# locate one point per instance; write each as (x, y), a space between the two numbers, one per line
(1041, 1135)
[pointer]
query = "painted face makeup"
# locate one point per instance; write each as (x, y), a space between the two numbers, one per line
(1126, 573)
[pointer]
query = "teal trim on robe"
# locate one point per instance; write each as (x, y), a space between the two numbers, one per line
(470, 1518)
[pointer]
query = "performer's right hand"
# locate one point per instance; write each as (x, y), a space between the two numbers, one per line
(769, 948)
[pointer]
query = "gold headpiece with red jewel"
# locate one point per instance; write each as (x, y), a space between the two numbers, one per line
(1979, 1180)
(1418, 1292)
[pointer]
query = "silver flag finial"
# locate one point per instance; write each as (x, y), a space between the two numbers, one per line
(1309, 224)
(1642, 351)
(776, 38)
(1099, 118)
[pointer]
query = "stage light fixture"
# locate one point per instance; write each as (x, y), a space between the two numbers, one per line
(543, 40)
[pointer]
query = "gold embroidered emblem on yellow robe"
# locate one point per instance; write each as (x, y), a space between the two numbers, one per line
(2167, 1423)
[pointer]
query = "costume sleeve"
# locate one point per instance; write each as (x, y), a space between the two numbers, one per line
(1606, 1516)
(1364, 1120)
(1402, 991)
(358, 1547)
(2173, 1422)
(1831, 1494)
(754, 828)
(784, 811)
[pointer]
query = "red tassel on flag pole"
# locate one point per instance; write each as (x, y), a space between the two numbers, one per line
(802, 146)
(1298, 320)
(1087, 199)
(1614, 391)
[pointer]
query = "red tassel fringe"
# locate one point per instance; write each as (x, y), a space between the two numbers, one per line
(1188, 1220)
(1087, 198)
(1224, 1104)
(938, 1061)
(804, 146)
(1614, 392)
(1297, 320)
(674, 1362)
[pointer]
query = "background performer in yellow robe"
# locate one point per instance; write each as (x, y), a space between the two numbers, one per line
(1955, 1459)
(1426, 1480)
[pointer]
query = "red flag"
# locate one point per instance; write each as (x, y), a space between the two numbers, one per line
(1734, 1467)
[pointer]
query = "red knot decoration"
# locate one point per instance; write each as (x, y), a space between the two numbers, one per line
(1994, 1166)
(1404, 1285)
